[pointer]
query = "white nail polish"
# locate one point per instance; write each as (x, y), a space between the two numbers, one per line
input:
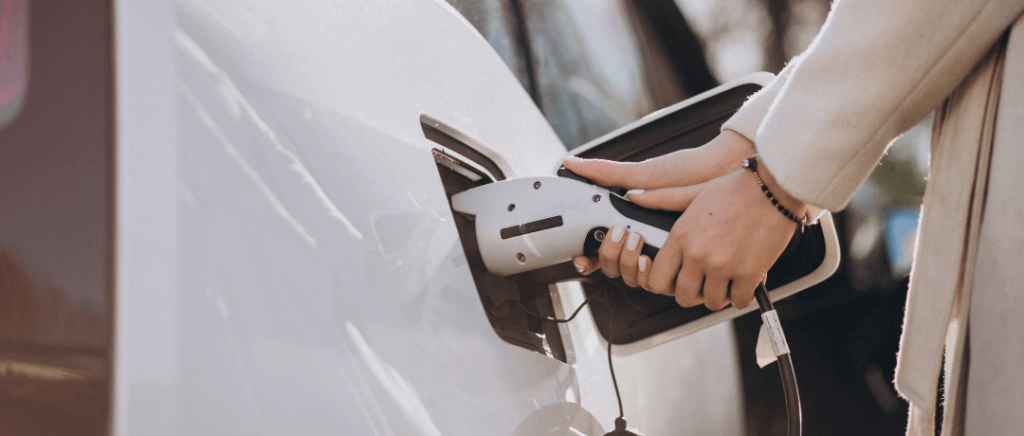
(633, 241)
(579, 268)
(634, 191)
(642, 264)
(572, 159)
(617, 233)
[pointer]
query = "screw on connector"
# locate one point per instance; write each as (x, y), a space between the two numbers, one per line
(536, 185)
(599, 235)
(511, 207)
(521, 257)
(597, 198)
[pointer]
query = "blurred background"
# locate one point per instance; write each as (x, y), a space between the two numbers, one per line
(592, 67)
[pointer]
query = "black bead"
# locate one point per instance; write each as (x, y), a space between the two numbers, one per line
(764, 188)
(781, 208)
(769, 194)
(775, 202)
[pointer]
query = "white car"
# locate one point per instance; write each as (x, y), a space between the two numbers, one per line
(231, 217)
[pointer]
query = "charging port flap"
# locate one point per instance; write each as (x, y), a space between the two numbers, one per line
(505, 299)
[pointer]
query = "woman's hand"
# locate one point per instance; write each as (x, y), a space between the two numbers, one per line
(684, 168)
(723, 245)
(671, 182)
(720, 248)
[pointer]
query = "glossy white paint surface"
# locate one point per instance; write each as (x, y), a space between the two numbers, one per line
(287, 261)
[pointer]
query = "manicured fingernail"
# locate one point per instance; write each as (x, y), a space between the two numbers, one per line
(634, 191)
(642, 263)
(617, 233)
(579, 268)
(572, 159)
(633, 241)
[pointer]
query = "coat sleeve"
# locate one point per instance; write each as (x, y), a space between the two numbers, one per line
(748, 119)
(876, 68)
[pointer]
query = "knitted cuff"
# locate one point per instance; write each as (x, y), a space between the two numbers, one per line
(748, 119)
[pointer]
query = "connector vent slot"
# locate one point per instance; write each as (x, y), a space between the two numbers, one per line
(532, 227)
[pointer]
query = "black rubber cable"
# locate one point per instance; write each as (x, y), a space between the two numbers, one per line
(548, 318)
(789, 386)
(611, 367)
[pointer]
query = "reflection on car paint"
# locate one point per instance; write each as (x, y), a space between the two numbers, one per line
(369, 324)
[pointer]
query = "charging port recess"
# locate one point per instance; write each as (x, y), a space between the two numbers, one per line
(626, 315)
(498, 295)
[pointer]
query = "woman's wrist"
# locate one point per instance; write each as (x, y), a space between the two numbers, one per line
(735, 144)
(792, 204)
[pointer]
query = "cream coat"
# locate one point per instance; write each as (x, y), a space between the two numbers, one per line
(876, 69)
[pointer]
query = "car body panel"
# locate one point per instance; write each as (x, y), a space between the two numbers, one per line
(306, 275)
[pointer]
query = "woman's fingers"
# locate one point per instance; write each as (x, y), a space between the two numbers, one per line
(665, 268)
(729, 230)
(680, 168)
(742, 291)
(629, 258)
(677, 199)
(629, 263)
(689, 284)
(585, 265)
(606, 172)
(643, 271)
(610, 251)
(716, 293)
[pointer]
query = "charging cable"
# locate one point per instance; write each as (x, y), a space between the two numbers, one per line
(778, 340)
(621, 421)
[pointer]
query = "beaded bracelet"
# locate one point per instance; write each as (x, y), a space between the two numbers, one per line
(750, 163)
